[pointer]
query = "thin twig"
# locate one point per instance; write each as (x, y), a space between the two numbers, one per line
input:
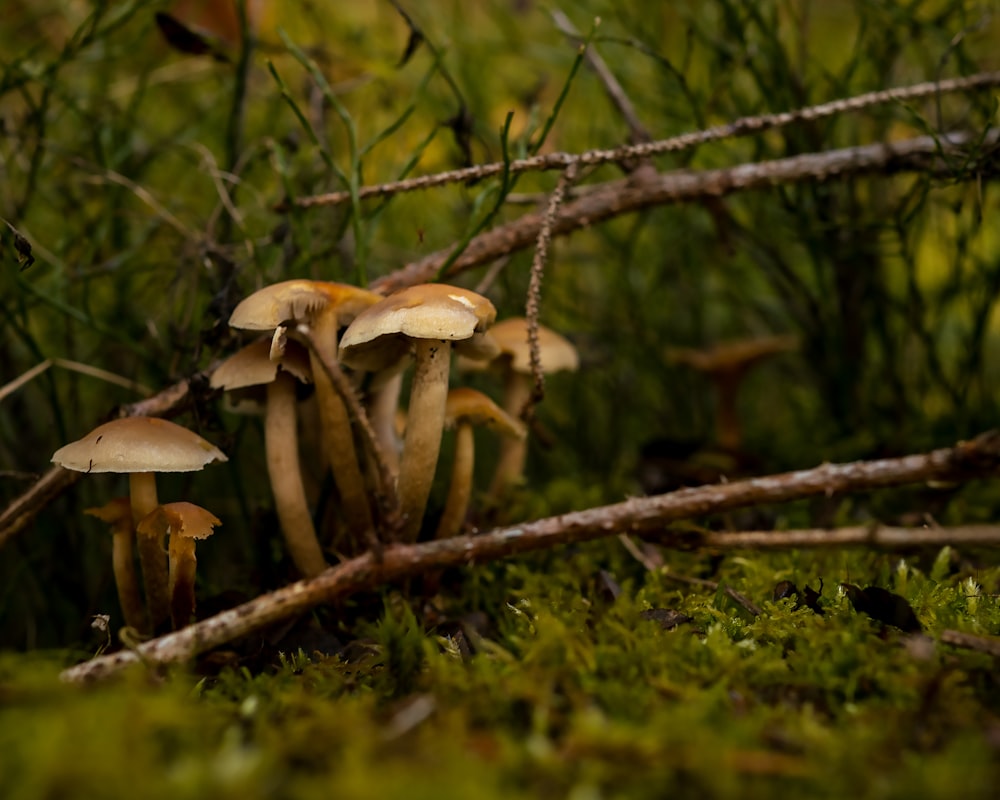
(978, 457)
(386, 490)
(534, 298)
(646, 189)
(25, 377)
(741, 127)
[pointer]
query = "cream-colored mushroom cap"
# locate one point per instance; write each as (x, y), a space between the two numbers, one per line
(555, 351)
(301, 300)
(138, 444)
(380, 335)
(469, 405)
(252, 366)
(178, 519)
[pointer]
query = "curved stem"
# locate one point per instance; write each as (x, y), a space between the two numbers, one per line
(182, 570)
(383, 405)
(513, 452)
(152, 558)
(281, 444)
(424, 425)
(338, 440)
(460, 490)
(126, 579)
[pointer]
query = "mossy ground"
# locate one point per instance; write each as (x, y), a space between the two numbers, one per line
(551, 688)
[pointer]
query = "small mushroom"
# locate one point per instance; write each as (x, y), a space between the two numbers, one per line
(465, 408)
(555, 353)
(183, 523)
(427, 318)
(141, 447)
(726, 365)
(253, 366)
(118, 514)
(323, 306)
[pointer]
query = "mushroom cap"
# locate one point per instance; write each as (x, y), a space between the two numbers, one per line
(380, 335)
(511, 337)
(138, 444)
(733, 355)
(116, 510)
(178, 519)
(474, 407)
(300, 300)
(252, 366)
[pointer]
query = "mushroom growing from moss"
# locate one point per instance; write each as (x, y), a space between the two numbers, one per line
(118, 514)
(427, 318)
(555, 353)
(465, 408)
(322, 306)
(726, 365)
(184, 523)
(141, 447)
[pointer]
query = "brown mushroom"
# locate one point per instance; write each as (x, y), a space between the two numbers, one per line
(141, 447)
(555, 352)
(426, 318)
(252, 366)
(323, 306)
(184, 523)
(465, 408)
(118, 514)
(726, 365)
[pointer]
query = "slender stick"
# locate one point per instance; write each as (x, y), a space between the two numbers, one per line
(978, 457)
(741, 127)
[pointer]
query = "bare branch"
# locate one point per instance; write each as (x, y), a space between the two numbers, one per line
(978, 457)
(642, 150)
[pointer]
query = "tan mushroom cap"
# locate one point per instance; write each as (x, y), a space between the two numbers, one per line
(116, 510)
(138, 444)
(380, 336)
(511, 337)
(252, 366)
(178, 519)
(734, 355)
(474, 407)
(300, 299)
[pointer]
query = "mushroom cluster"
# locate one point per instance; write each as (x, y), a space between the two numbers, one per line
(354, 347)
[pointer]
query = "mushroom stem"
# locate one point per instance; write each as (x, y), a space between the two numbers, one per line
(338, 440)
(384, 402)
(513, 452)
(425, 423)
(126, 579)
(460, 490)
(728, 428)
(152, 558)
(281, 445)
(183, 564)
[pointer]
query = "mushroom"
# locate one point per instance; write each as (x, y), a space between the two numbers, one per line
(118, 514)
(252, 366)
(323, 306)
(726, 365)
(556, 353)
(427, 318)
(141, 447)
(184, 523)
(465, 408)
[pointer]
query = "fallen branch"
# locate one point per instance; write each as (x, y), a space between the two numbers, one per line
(975, 458)
(878, 536)
(642, 150)
(647, 188)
